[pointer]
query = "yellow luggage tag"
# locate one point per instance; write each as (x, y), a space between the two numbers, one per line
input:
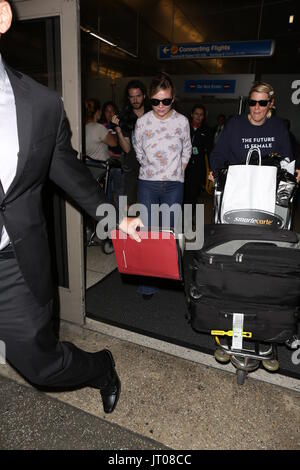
(245, 334)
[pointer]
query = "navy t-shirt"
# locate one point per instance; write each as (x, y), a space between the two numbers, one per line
(239, 135)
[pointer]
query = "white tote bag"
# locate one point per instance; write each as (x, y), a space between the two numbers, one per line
(250, 187)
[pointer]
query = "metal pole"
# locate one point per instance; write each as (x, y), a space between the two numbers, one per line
(258, 30)
(241, 101)
(260, 18)
(173, 20)
(98, 49)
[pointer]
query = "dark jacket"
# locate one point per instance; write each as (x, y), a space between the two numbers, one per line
(201, 138)
(239, 136)
(45, 151)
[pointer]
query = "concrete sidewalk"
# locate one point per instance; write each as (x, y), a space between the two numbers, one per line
(32, 420)
(165, 401)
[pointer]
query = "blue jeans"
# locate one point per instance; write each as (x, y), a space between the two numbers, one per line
(115, 186)
(158, 192)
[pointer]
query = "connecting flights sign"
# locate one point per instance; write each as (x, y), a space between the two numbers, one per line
(202, 50)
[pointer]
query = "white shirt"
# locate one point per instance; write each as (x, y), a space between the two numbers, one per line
(9, 139)
(163, 146)
(218, 132)
(95, 147)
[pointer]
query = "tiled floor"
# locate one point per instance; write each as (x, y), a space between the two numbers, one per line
(98, 265)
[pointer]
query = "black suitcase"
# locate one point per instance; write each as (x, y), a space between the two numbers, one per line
(249, 270)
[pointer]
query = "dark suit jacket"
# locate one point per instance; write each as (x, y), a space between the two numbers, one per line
(45, 151)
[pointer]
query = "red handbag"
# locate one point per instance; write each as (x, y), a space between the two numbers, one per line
(157, 255)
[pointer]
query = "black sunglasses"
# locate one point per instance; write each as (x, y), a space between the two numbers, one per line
(165, 101)
(262, 103)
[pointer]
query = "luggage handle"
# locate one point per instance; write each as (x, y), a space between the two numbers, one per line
(250, 152)
(247, 315)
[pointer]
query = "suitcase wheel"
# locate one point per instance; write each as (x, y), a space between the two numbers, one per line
(221, 356)
(107, 247)
(271, 365)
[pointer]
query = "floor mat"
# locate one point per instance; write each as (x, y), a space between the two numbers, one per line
(115, 300)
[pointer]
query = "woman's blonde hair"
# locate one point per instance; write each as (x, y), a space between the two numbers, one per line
(263, 87)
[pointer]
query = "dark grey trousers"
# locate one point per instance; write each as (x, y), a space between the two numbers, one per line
(31, 345)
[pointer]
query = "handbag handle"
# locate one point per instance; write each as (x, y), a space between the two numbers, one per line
(249, 155)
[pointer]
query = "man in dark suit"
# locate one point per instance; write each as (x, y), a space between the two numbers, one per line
(217, 130)
(35, 145)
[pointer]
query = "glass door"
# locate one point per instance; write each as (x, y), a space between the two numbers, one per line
(43, 42)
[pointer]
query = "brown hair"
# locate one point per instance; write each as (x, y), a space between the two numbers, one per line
(161, 82)
(91, 106)
(200, 106)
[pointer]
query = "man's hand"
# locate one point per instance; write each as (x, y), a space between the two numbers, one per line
(129, 225)
(115, 120)
(297, 174)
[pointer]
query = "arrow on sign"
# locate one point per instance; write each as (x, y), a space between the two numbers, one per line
(166, 50)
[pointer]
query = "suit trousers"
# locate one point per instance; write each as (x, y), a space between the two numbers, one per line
(195, 179)
(131, 169)
(31, 345)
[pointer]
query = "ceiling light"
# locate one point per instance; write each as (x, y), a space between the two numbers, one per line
(291, 19)
(97, 36)
(101, 38)
(126, 52)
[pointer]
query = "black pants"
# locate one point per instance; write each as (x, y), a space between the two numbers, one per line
(31, 345)
(195, 179)
(131, 168)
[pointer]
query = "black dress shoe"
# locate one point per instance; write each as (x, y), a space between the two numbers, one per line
(110, 392)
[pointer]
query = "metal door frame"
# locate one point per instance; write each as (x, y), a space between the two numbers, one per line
(72, 299)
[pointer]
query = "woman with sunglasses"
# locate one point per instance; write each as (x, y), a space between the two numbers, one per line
(163, 148)
(259, 127)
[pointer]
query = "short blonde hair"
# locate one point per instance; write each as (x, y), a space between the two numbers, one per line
(263, 87)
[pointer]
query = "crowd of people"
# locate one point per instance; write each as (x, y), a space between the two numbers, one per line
(113, 134)
(165, 157)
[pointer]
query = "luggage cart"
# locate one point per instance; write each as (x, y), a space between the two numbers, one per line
(100, 171)
(283, 214)
(247, 324)
(247, 359)
(250, 357)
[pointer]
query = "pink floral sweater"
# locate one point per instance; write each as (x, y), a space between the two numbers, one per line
(163, 147)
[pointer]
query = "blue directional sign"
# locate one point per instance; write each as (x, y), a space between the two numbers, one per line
(202, 50)
(210, 87)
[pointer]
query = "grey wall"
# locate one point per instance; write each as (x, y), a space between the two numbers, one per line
(287, 98)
